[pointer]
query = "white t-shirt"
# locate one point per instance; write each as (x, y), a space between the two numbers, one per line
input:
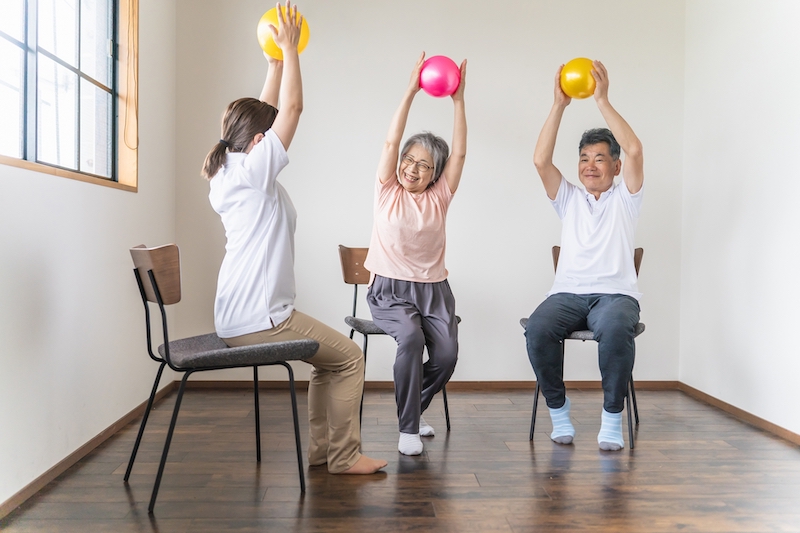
(597, 240)
(255, 288)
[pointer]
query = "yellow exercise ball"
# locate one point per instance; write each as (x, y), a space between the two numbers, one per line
(576, 78)
(265, 35)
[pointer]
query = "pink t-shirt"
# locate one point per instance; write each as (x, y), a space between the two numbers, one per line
(408, 236)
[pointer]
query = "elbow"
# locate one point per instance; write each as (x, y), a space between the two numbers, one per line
(540, 162)
(634, 151)
(295, 108)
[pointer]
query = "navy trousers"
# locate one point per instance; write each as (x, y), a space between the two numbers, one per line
(612, 318)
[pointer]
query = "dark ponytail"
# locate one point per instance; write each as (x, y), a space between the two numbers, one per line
(242, 120)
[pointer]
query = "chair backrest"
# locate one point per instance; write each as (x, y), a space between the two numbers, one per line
(353, 270)
(165, 263)
(638, 253)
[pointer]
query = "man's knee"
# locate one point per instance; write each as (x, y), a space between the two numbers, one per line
(541, 328)
(617, 319)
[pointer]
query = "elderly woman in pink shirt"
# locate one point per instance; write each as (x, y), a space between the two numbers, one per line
(409, 297)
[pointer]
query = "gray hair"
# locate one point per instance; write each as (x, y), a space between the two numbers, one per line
(601, 135)
(435, 145)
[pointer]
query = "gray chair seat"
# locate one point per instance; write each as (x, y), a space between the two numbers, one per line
(209, 351)
(586, 334)
(368, 327)
(363, 326)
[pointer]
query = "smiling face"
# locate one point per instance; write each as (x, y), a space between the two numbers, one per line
(596, 168)
(416, 169)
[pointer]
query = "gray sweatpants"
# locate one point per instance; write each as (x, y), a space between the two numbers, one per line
(416, 315)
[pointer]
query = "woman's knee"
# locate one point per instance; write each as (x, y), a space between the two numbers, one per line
(410, 339)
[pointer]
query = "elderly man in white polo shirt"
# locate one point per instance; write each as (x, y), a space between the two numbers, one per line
(595, 284)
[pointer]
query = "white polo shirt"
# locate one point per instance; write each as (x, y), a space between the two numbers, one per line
(597, 240)
(256, 287)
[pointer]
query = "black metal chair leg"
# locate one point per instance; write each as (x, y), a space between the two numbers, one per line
(630, 421)
(144, 420)
(167, 442)
(446, 408)
(258, 414)
(535, 405)
(364, 386)
(296, 427)
(635, 407)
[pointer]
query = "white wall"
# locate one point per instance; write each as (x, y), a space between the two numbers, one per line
(71, 324)
(740, 241)
(500, 226)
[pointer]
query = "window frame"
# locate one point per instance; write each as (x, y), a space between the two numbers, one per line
(125, 105)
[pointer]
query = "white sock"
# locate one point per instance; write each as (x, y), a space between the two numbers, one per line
(563, 431)
(425, 429)
(409, 444)
(610, 436)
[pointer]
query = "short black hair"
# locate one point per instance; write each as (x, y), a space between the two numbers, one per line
(601, 135)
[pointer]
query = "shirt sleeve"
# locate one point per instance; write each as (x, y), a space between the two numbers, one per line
(265, 161)
(565, 192)
(442, 190)
(632, 201)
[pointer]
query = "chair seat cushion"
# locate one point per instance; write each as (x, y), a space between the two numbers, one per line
(585, 334)
(363, 326)
(368, 327)
(209, 351)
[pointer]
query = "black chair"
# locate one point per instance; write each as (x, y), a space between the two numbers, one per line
(355, 274)
(588, 335)
(157, 272)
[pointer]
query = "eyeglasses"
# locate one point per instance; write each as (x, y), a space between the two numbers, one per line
(421, 165)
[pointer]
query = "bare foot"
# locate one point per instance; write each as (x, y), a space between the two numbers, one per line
(365, 465)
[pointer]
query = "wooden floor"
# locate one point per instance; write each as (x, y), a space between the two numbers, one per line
(694, 468)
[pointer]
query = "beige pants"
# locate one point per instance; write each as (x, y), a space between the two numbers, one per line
(334, 391)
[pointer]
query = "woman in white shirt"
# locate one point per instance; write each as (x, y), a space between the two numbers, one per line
(256, 286)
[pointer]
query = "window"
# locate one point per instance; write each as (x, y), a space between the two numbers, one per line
(68, 95)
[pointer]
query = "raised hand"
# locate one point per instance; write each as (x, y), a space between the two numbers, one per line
(561, 98)
(413, 83)
(600, 75)
(458, 96)
(287, 34)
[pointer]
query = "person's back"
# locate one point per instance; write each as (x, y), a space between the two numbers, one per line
(256, 287)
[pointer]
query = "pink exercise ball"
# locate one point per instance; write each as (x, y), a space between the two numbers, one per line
(440, 76)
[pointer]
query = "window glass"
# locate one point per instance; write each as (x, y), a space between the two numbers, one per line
(58, 29)
(95, 142)
(11, 99)
(57, 114)
(96, 35)
(12, 21)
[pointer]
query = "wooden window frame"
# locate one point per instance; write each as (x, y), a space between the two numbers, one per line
(127, 111)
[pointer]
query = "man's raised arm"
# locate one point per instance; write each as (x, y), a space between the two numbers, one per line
(633, 166)
(546, 144)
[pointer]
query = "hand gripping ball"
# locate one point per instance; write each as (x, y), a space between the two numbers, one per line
(576, 78)
(265, 36)
(439, 76)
